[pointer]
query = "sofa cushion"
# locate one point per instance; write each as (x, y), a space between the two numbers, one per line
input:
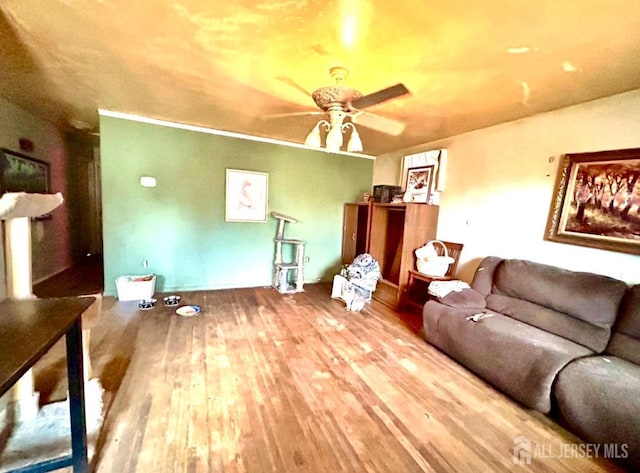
(597, 397)
(519, 359)
(625, 341)
(592, 298)
(591, 336)
(465, 298)
(581, 307)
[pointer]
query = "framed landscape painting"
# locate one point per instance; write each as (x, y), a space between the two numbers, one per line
(22, 173)
(597, 201)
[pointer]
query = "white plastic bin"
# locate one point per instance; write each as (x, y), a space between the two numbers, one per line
(136, 288)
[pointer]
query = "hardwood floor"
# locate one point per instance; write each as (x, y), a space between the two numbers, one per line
(262, 382)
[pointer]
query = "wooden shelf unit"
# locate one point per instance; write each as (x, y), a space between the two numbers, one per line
(355, 230)
(390, 233)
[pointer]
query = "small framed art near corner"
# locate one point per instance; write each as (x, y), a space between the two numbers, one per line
(22, 173)
(246, 196)
(596, 201)
(418, 183)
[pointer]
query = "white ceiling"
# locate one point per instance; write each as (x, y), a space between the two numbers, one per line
(230, 65)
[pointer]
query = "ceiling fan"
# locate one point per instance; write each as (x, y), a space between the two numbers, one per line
(339, 102)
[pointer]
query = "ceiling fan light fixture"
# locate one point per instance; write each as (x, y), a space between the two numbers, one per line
(334, 139)
(354, 145)
(340, 102)
(314, 140)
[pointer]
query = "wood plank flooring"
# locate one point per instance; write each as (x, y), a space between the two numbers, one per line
(262, 382)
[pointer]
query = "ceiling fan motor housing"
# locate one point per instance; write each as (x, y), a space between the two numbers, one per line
(326, 97)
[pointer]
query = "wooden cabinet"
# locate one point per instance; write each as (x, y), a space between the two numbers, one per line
(355, 230)
(397, 230)
(390, 233)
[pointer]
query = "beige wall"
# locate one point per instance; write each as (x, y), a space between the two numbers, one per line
(500, 180)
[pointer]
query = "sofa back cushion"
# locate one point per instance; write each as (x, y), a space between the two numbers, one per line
(625, 341)
(552, 321)
(578, 306)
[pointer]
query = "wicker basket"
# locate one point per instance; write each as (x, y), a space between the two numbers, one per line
(429, 262)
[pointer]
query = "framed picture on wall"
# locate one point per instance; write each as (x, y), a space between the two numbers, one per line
(246, 196)
(22, 173)
(597, 201)
(418, 183)
(436, 158)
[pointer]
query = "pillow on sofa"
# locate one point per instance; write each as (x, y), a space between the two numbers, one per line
(464, 299)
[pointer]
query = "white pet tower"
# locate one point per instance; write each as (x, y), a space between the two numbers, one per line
(17, 209)
(286, 272)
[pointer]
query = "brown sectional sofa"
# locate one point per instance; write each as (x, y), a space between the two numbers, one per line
(598, 397)
(562, 342)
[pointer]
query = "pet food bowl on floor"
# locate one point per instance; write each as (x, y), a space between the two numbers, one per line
(171, 301)
(188, 310)
(146, 304)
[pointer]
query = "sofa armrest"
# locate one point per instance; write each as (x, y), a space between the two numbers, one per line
(483, 277)
(465, 299)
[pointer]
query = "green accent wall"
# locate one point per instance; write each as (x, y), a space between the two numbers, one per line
(179, 226)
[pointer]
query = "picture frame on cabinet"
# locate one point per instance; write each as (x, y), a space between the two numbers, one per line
(436, 157)
(596, 201)
(418, 184)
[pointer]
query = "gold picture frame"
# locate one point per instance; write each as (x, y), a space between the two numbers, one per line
(596, 201)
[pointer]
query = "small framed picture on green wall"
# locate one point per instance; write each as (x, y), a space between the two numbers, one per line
(246, 196)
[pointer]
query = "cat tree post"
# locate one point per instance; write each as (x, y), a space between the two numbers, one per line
(17, 209)
(18, 257)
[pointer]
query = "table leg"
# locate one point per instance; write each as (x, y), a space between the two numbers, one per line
(76, 398)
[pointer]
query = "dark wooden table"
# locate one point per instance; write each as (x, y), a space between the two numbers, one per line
(28, 329)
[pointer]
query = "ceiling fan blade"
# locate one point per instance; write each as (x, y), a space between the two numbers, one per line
(378, 123)
(380, 96)
(293, 114)
(294, 84)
